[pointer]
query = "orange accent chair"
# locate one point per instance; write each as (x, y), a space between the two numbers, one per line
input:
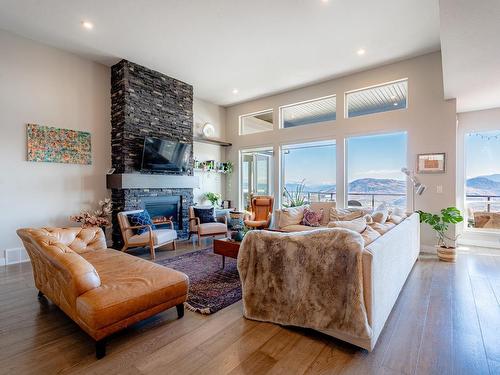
(262, 212)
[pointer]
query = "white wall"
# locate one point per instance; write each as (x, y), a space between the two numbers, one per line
(429, 120)
(469, 122)
(204, 112)
(46, 86)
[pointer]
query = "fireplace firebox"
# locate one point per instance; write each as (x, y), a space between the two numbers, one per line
(165, 207)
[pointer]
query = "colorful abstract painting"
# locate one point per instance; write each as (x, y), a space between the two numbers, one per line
(55, 145)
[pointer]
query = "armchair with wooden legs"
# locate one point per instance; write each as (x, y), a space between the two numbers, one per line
(262, 212)
(152, 238)
(217, 228)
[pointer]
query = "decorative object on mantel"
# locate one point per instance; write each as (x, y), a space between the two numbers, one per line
(440, 224)
(213, 198)
(55, 145)
(431, 163)
(98, 218)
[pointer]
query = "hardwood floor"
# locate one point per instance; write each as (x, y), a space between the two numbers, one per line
(446, 321)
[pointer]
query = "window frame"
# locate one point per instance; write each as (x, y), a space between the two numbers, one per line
(281, 124)
(253, 114)
(327, 141)
(347, 93)
(347, 137)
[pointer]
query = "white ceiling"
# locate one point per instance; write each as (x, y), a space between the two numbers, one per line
(470, 43)
(259, 47)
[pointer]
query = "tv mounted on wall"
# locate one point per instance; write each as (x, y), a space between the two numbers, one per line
(165, 155)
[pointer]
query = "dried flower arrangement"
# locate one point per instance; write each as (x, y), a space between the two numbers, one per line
(98, 218)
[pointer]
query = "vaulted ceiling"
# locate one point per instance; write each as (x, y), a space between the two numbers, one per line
(257, 47)
(235, 50)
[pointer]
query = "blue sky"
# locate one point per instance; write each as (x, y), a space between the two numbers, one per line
(379, 156)
(482, 155)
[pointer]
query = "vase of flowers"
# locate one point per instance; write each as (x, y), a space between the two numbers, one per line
(98, 218)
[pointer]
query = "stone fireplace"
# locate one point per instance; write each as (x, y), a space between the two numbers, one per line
(147, 103)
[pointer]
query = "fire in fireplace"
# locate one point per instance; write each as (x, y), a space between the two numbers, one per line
(164, 207)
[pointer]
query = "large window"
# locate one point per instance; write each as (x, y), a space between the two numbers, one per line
(482, 161)
(309, 112)
(383, 98)
(256, 174)
(256, 122)
(308, 172)
(374, 170)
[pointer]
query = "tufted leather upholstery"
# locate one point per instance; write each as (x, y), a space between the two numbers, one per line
(102, 290)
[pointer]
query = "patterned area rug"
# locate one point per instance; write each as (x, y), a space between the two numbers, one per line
(211, 288)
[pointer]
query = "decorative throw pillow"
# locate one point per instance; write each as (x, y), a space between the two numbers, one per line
(382, 228)
(291, 215)
(141, 218)
(398, 211)
(312, 218)
(343, 214)
(357, 225)
(395, 219)
(380, 214)
(206, 215)
(369, 235)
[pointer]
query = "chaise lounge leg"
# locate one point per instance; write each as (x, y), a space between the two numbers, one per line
(40, 294)
(100, 348)
(180, 310)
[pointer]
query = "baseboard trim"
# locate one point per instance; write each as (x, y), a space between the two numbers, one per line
(14, 256)
(428, 249)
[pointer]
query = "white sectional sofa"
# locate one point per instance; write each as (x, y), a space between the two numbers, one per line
(386, 264)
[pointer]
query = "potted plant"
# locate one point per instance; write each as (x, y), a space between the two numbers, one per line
(440, 223)
(213, 198)
(296, 197)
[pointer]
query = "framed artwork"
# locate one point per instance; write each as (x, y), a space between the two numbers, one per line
(55, 145)
(431, 163)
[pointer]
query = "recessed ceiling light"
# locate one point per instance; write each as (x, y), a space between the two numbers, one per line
(361, 52)
(324, 1)
(235, 91)
(87, 25)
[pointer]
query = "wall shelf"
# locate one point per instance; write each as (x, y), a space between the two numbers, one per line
(212, 141)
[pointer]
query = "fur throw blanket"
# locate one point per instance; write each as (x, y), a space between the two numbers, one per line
(309, 279)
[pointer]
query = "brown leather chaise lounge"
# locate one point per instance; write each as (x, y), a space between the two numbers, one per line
(102, 290)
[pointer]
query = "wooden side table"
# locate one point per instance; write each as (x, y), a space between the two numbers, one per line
(227, 248)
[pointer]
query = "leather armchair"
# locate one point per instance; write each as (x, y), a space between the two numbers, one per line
(206, 229)
(102, 290)
(262, 212)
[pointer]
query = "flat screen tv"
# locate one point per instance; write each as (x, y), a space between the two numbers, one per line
(165, 155)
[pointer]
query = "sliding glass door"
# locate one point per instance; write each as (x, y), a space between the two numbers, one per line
(256, 174)
(482, 180)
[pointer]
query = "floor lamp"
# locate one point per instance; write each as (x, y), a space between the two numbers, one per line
(417, 189)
